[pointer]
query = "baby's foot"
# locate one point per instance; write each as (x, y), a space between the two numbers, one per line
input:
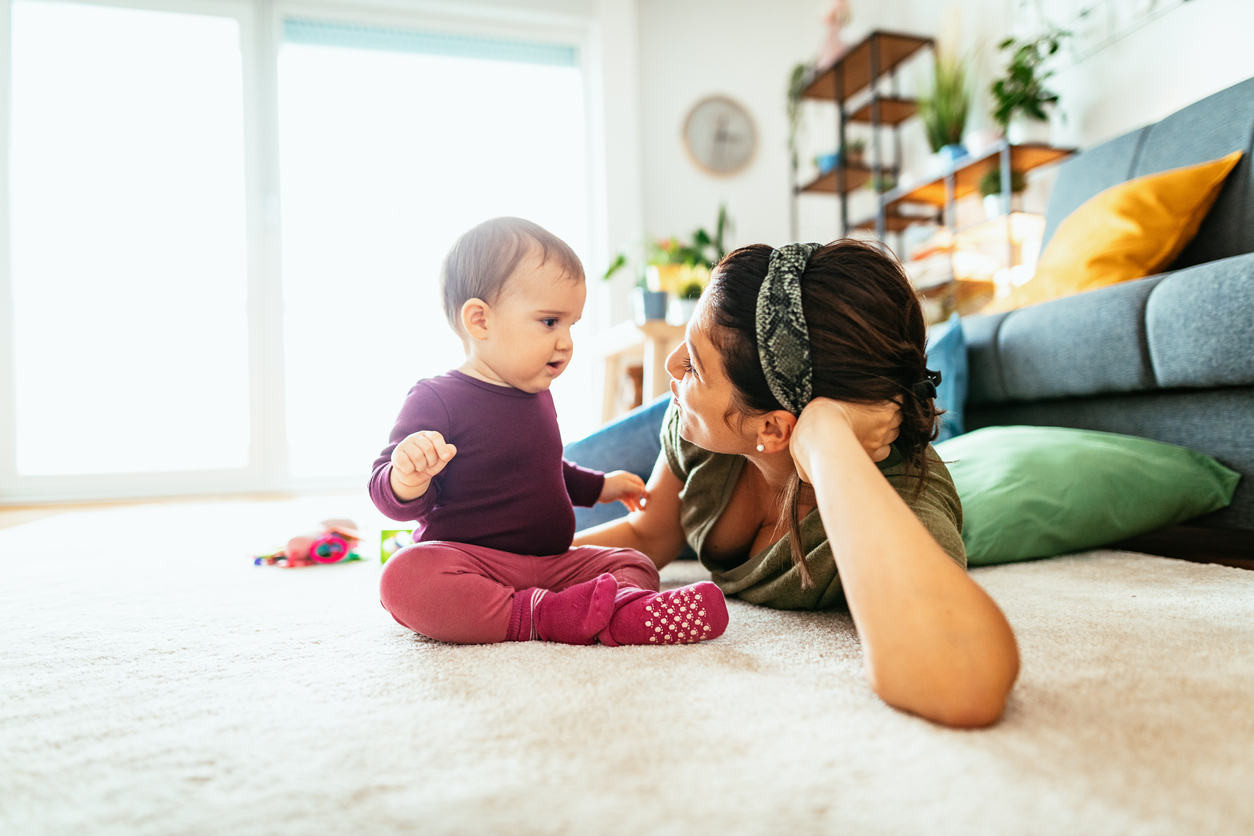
(679, 616)
(576, 614)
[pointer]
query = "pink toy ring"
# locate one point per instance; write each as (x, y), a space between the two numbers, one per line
(329, 548)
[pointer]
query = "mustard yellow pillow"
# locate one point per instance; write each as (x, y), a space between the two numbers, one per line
(1129, 231)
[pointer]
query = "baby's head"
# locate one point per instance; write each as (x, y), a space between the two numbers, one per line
(511, 291)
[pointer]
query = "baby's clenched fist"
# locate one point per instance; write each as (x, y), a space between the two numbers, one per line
(416, 461)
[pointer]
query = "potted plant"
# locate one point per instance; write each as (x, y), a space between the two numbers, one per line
(990, 189)
(673, 264)
(855, 152)
(945, 107)
(798, 80)
(646, 304)
(885, 182)
(1020, 95)
(685, 301)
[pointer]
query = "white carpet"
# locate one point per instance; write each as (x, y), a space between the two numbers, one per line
(153, 681)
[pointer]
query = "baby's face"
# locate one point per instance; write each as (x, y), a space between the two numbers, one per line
(529, 342)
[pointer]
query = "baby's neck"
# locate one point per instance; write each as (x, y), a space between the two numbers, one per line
(476, 368)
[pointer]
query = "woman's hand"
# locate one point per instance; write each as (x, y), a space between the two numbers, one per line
(874, 426)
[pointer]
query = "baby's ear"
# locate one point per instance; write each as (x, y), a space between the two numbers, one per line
(475, 315)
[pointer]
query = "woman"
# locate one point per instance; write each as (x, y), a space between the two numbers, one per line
(796, 462)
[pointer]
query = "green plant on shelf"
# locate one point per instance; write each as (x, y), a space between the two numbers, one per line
(798, 80)
(1022, 89)
(990, 182)
(944, 108)
(883, 183)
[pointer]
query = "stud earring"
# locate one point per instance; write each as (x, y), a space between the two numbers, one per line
(761, 448)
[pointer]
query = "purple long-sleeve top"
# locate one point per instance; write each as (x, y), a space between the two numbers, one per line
(508, 487)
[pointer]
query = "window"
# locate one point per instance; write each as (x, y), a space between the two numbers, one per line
(224, 248)
(393, 143)
(127, 238)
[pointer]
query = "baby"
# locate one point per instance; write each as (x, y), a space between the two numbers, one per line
(476, 458)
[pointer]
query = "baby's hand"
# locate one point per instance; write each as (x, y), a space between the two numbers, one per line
(416, 461)
(625, 486)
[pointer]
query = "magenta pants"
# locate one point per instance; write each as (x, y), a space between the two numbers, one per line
(455, 592)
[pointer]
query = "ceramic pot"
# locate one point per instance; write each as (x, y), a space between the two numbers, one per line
(951, 154)
(1023, 130)
(993, 207)
(648, 304)
(680, 311)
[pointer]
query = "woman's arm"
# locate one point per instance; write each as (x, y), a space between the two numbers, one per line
(655, 531)
(935, 643)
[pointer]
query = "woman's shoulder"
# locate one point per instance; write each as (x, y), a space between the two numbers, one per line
(936, 505)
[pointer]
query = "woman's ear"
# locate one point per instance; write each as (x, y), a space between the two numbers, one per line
(476, 315)
(775, 431)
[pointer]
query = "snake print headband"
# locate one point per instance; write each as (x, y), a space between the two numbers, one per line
(784, 339)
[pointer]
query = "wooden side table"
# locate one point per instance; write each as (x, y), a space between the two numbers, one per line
(652, 343)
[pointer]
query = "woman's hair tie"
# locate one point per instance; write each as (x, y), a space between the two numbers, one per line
(783, 338)
(925, 389)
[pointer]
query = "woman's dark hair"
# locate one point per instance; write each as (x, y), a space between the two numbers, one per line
(867, 344)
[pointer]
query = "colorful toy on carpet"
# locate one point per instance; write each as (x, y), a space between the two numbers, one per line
(334, 543)
(392, 540)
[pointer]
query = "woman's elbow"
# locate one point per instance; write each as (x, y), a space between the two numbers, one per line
(977, 710)
(971, 701)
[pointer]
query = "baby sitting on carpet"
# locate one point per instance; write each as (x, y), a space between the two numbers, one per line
(476, 458)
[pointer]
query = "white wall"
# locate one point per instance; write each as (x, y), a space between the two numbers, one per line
(744, 49)
(1193, 50)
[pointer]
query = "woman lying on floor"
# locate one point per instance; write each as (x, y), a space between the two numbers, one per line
(796, 462)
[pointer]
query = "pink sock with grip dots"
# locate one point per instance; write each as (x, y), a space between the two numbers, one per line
(679, 616)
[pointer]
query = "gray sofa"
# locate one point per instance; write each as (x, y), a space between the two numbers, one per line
(1169, 357)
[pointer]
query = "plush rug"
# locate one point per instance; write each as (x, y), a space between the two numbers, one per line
(154, 681)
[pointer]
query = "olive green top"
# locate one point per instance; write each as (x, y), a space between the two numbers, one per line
(769, 577)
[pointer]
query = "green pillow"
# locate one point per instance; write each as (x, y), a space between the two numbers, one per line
(1041, 491)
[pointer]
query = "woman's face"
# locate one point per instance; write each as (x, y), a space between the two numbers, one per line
(703, 391)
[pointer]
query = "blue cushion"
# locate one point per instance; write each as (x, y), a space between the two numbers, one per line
(947, 353)
(632, 443)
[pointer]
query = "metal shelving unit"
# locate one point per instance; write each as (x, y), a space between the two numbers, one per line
(862, 68)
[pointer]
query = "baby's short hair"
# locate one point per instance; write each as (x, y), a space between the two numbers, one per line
(483, 258)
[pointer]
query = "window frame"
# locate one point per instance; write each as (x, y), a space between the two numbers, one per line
(261, 38)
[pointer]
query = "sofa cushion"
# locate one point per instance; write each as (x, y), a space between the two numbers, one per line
(1213, 421)
(1031, 491)
(1173, 142)
(1193, 328)
(1129, 231)
(1199, 326)
(1081, 345)
(1088, 173)
(984, 383)
(1176, 141)
(947, 354)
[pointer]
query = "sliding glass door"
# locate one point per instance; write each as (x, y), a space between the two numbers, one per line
(224, 229)
(127, 241)
(392, 143)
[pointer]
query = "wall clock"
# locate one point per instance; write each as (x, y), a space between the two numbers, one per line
(719, 135)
